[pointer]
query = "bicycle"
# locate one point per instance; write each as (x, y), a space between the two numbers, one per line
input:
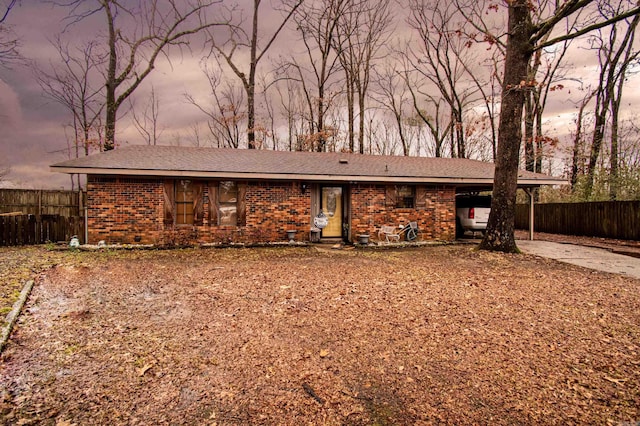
(410, 231)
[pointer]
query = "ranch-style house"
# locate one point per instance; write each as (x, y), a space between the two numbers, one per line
(141, 194)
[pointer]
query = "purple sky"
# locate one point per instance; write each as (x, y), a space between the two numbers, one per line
(32, 135)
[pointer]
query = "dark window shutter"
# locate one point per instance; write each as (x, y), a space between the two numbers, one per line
(421, 197)
(198, 203)
(391, 196)
(213, 203)
(169, 202)
(242, 204)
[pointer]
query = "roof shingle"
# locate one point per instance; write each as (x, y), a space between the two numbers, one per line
(235, 163)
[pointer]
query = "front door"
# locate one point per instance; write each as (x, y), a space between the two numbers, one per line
(333, 208)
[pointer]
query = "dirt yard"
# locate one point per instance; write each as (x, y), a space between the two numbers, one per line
(295, 336)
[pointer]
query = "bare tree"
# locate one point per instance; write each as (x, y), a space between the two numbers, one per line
(577, 148)
(616, 53)
(524, 38)
(146, 123)
(394, 96)
(236, 39)
(317, 23)
(442, 60)
(136, 36)
(545, 71)
(73, 82)
(9, 42)
(362, 30)
(227, 113)
(430, 113)
(295, 102)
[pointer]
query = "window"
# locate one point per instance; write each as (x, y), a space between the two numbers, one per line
(228, 203)
(405, 197)
(184, 202)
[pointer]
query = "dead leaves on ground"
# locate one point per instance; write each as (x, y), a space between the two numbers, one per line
(292, 336)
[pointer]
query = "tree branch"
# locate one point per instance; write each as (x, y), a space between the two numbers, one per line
(588, 29)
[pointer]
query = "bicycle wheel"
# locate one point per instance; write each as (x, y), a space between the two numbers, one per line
(412, 234)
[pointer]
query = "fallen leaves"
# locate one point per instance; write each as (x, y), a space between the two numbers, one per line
(614, 380)
(442, 335)
(144, 369)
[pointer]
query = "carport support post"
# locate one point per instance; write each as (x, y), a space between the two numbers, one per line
(530, 193)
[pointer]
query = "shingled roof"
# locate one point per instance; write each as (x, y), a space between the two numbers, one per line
(172, 161)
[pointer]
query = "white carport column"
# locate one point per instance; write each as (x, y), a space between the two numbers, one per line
(530, 192)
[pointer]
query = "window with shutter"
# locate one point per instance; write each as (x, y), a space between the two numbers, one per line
(405, 197)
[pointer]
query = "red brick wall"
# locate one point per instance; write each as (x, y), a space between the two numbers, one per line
(275, 207)
(436, 218)
(119, 209)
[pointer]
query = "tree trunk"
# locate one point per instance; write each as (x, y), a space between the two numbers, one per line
(459, 130)
(596, 146)
(539, 140)
(613, 159)
(350, 112)
(110, 119)
(361, 107)
(529, 151)
(500, 229)
(322, 141)
(251, 87)
(251, 117)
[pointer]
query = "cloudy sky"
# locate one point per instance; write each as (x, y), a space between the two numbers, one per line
(32, 132)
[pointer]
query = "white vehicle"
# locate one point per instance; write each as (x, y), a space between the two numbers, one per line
(472, 213)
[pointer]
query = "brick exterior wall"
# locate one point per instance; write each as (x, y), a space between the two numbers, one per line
(436, 217)
(119, 209)
(123, 210)
(275, 207)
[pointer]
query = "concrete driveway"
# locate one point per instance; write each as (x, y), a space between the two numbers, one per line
(588, 257)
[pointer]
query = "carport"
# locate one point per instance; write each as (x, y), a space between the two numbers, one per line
(528, 188)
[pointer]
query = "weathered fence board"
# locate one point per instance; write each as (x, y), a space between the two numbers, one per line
(607, 219)
(38, 202)
(37, 229)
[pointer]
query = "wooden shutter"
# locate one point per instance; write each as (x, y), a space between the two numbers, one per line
(242, 204)
(213, 203)
(391, 196)
(198, 203)
(169, 201)
(421, 197)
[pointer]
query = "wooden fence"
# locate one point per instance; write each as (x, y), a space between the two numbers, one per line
(608, 219)
(42, 202)
(17, 230)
